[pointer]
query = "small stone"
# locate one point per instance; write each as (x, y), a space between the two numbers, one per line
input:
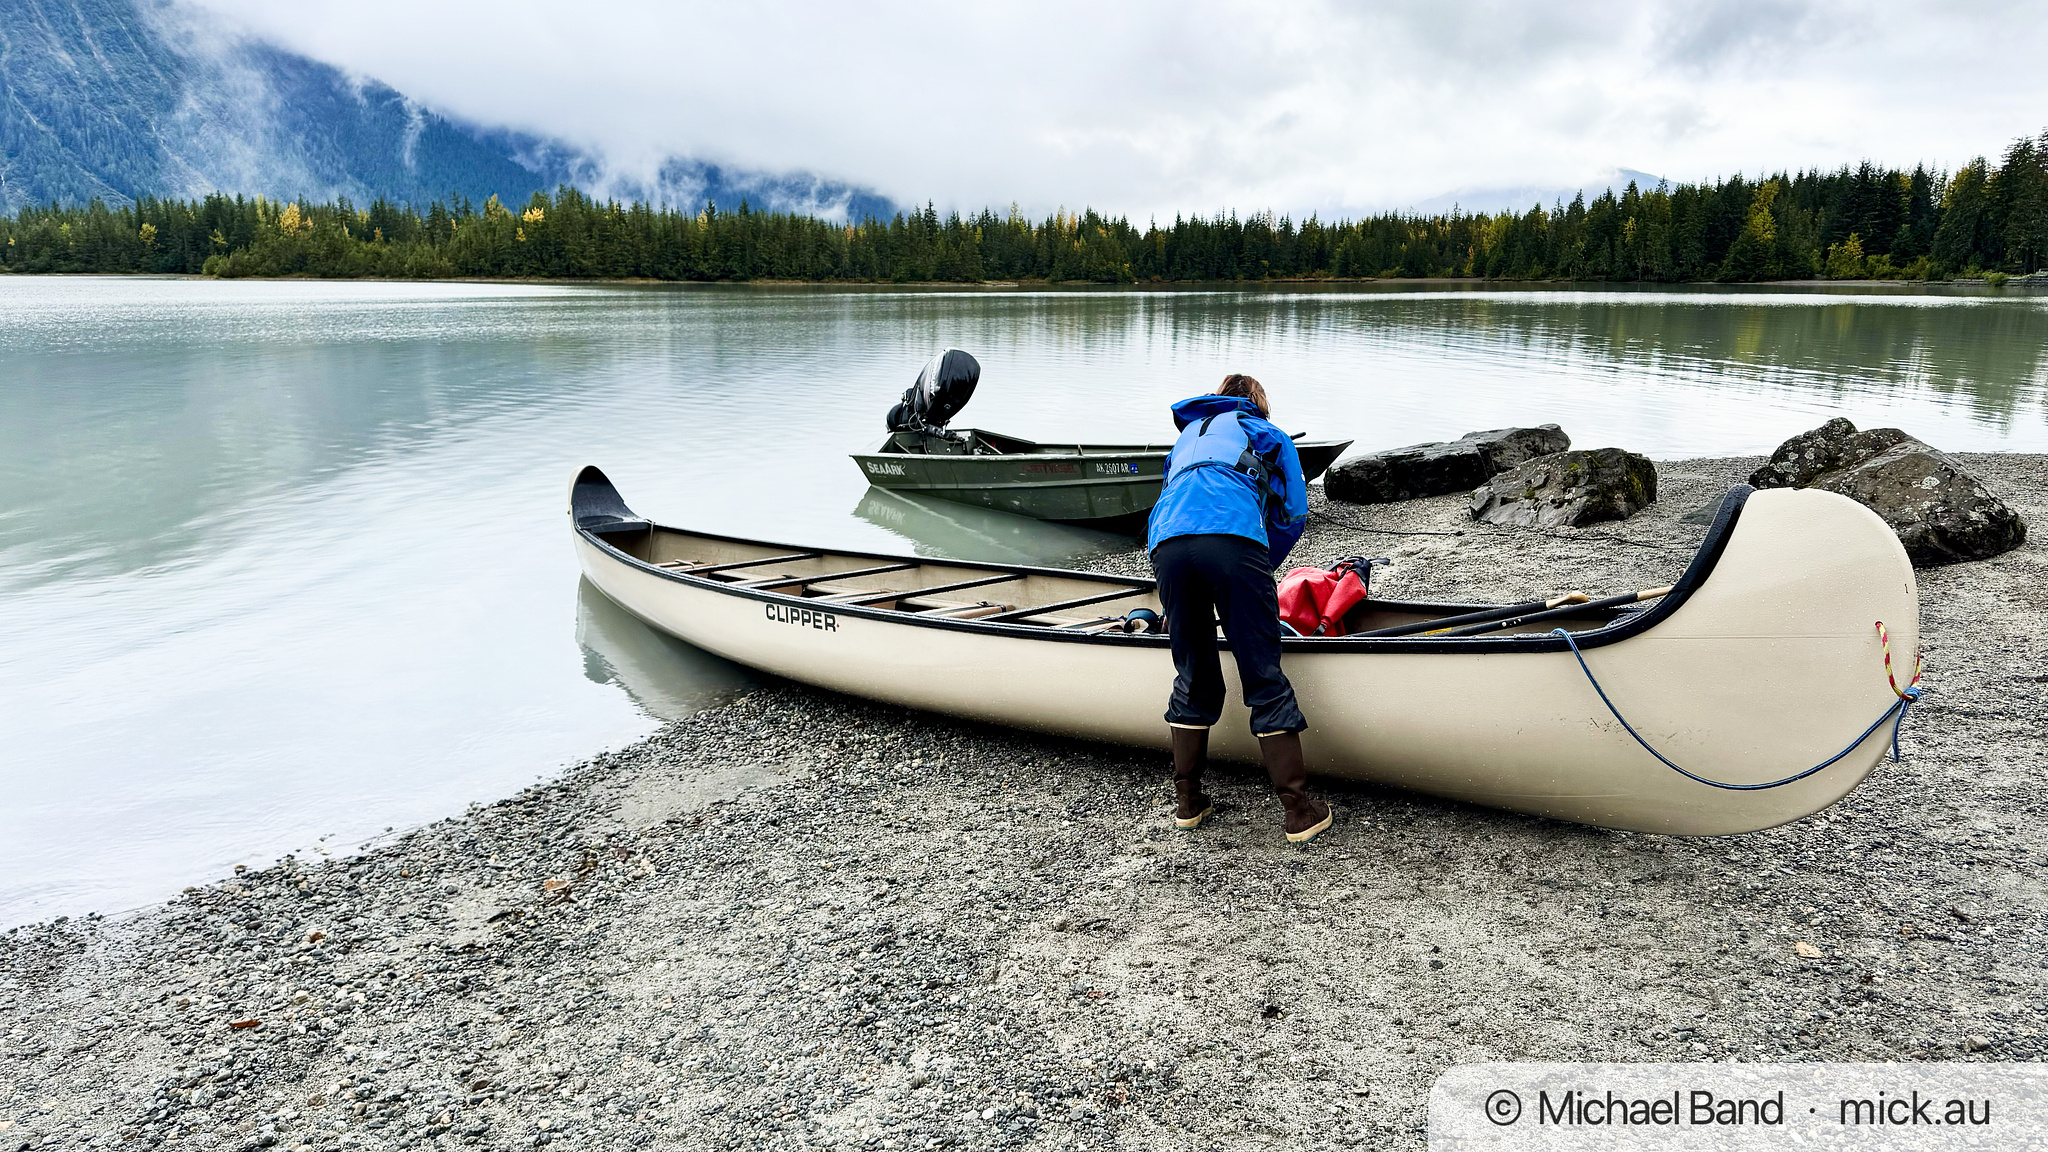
(1977, 1043)
(1802, 948)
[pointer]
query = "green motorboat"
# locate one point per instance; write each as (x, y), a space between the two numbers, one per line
(1105, 486)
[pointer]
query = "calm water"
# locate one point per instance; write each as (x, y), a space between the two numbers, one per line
(283, 565)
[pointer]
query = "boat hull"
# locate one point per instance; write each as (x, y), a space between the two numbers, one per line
(1107, 486)
(1768, 666)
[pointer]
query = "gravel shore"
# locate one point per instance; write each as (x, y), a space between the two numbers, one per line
(804, 921)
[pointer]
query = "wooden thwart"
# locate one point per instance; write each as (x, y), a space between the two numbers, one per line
(914, 593)
(965, 611)
(785, 581)
(701, 569)
(1077, 602)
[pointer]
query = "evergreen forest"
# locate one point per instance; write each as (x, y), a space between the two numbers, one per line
(1868, 222)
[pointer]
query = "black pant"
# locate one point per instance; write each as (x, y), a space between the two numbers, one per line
(1206, 576)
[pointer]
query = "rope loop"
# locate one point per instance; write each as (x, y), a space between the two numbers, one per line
(1909, 692)
(1896, 713)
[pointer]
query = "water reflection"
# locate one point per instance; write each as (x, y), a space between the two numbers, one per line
(143, 446)
(1987, 353)
(667, 678)
(942, 528)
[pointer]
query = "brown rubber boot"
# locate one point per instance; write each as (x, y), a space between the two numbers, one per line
(1307, 818)
(1190, 756)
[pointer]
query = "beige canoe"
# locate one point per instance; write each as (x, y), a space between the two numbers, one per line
(1763, 661)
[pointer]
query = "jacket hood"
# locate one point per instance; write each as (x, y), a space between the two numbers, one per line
(1201, 407)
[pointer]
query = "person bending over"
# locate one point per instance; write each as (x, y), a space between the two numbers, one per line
(1233, 506)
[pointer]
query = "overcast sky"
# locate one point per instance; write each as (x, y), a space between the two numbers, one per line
(1152, 108)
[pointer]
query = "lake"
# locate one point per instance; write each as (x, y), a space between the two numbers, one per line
(284, 565)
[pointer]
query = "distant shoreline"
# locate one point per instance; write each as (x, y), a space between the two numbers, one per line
(2035, 281)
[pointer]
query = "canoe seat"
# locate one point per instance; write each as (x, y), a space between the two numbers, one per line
(851, 592)
(952, 609)
(748, 576)
(841, 586)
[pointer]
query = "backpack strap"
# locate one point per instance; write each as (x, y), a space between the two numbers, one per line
(1250, 464)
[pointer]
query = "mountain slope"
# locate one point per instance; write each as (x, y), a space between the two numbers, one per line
(123, 99)
(74, 89)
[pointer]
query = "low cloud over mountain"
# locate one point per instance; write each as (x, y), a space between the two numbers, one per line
(123, 99)
(1521, 199)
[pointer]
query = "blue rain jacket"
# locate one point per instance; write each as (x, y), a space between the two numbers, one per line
(1217, 498)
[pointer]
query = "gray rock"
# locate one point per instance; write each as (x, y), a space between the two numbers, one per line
(1807, 457)
(1942, 512)
(1440, 468)
(1568, 490)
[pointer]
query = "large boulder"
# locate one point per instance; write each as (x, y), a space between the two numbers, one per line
(1941, 511)
(1440, 468)
(1568, 490)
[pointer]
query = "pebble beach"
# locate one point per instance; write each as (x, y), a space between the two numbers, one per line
(799, 920)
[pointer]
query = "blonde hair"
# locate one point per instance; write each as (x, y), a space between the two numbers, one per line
(1245, 388)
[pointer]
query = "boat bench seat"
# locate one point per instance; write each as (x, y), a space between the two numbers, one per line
(830, 588)
(952, 609)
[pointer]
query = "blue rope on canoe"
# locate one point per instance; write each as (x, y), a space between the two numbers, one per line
(1896, 714)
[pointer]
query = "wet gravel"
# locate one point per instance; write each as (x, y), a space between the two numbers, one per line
(803, 921)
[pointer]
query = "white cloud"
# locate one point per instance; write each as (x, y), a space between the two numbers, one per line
(1155, 108)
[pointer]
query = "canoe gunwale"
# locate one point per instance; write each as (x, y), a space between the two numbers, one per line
(597, 510)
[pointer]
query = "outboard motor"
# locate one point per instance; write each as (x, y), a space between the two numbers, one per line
(942, 389)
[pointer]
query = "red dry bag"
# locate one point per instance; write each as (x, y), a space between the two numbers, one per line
(1314, 600)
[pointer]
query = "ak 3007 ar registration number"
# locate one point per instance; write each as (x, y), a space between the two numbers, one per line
(803, 617)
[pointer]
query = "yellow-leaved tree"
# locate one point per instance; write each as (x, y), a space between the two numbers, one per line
(1845, 260)
(1754, 255)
